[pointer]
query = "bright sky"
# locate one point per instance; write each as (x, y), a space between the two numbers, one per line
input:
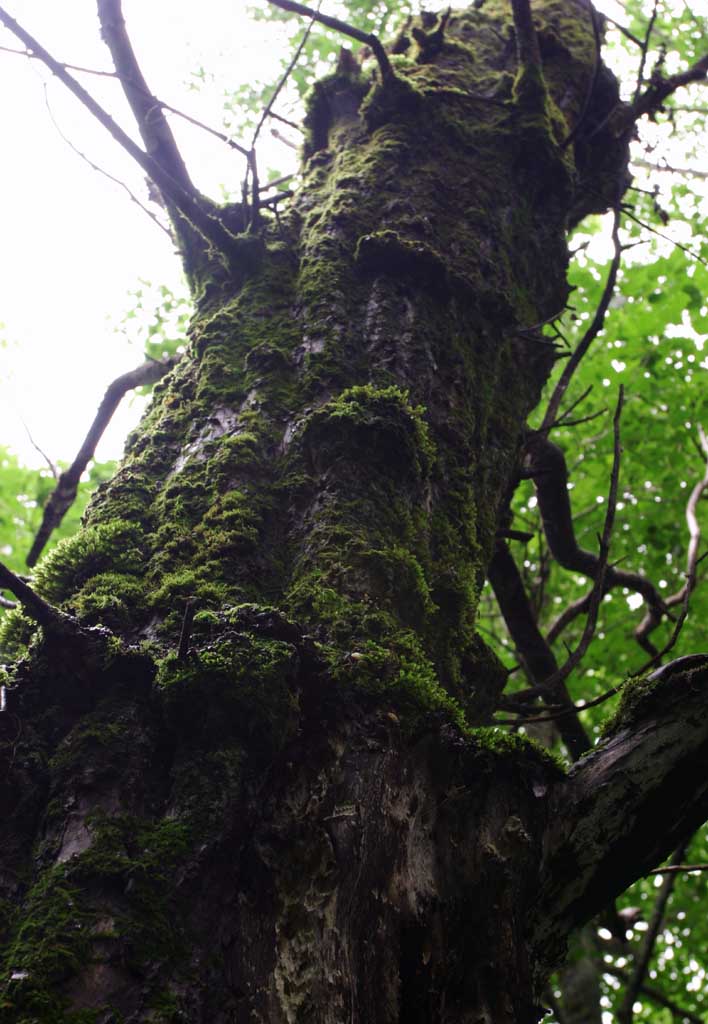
(73, 244)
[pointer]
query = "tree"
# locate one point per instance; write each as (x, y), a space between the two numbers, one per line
(251, 770)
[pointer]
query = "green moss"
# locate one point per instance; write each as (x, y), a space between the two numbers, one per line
(513, 745)
(238, 685)
(112, 547)
(16, 632)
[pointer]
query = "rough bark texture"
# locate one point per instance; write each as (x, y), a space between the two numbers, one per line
(295, 813)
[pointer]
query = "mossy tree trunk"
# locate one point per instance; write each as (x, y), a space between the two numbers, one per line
(249, 778)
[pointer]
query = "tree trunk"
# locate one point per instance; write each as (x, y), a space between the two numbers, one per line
(249, 779)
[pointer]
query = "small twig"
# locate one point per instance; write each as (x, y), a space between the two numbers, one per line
(652, 99)
(592, 331)
(341, 26)
(52, 468)
(275, 182)
(668, 868)
(691, 171)
(284, 120)
(660, 234)
(186, 631)
(602, 563)
(623, 30)
(283, 78)
(186, 201)
(5, 603)
(101, 170)
(62, 497)
(645, 50)
(156, 101)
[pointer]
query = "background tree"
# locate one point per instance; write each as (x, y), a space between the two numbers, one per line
(255, 711)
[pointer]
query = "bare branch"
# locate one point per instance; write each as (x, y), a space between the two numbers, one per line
(341, 26)
(677, 869)
(538, 659)
(4, 603)
(545, 464)
(667, 168)
(35, 606)
(682, 595)
(62, 497)
(593, 330)
(645, 49)
(601, 567)
(651, 100)
(186, 202)
(286, 74)
(101, 170)
(154, 129)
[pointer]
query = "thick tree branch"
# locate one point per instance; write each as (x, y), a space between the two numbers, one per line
(625, 806)
(62, 497)
(152, 124)
(537, 657)
(35, 606)
(187, 202)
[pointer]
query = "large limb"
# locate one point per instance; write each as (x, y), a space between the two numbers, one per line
(628, 804)
(152, 123)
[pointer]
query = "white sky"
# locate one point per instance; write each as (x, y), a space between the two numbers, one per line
(73, 244)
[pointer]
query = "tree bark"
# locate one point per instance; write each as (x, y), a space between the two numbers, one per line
(253, 780)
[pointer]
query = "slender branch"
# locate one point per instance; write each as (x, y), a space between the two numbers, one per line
(645, 50)
(623, 30)
(4, 603)
(691, 171)
(101, 170)
(341, 26)
(677, 869)
(545, 464)
(35, 606)
(625, 1013)
(284, 77)
(601, 566)
(592, 331)
(186, 202)
(62, 497)
(650, 101)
